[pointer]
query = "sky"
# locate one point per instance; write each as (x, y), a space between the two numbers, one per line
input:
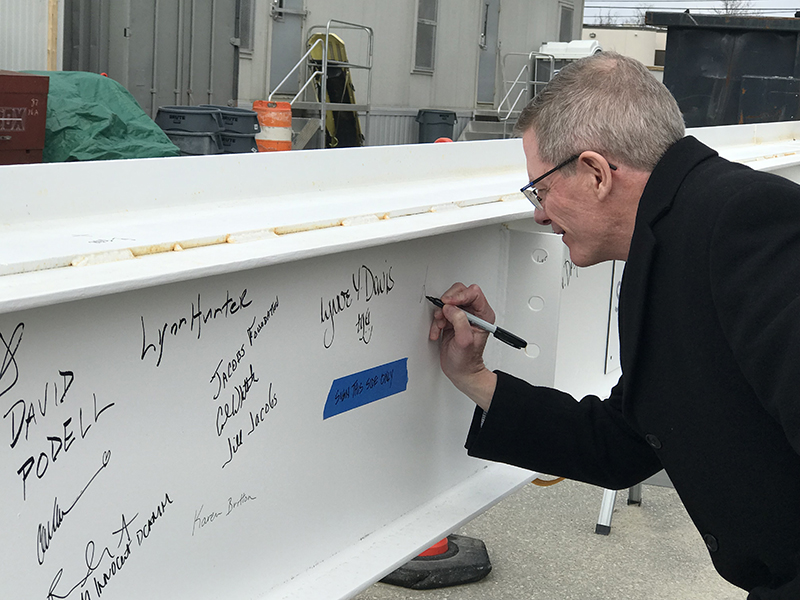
(627, 10)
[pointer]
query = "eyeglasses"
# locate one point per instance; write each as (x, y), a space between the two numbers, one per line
(532, 194)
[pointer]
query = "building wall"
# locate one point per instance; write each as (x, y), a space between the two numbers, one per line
(394, 81)
(176, 52)
(523, 30)
(524, 26)
(24, 34)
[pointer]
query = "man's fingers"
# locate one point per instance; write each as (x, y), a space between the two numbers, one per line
(464, 333)
(438, 323)
(470, 298)
(458, 294)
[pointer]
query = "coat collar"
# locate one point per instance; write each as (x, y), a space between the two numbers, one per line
(667, 178)
(659, 194)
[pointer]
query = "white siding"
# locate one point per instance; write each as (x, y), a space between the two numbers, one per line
(23, 34)
(393, 25)
(524, 25)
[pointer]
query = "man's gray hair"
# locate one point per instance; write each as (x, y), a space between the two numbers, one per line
(608, 103)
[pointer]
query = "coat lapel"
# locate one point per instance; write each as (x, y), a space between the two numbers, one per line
(656, 200)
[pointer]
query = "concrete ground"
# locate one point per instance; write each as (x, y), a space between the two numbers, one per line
(542, 546)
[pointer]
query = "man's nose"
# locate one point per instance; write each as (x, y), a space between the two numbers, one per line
(540, 216)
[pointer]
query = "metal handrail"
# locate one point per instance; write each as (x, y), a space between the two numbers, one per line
(323, 75)
(289, 74)
(508, 93)
(368, 67)
(528, 81)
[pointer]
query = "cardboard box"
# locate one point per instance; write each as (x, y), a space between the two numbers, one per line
(23, 113)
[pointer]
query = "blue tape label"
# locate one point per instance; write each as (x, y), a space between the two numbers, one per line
(358, 389)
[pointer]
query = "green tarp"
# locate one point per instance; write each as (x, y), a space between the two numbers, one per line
(92, 117)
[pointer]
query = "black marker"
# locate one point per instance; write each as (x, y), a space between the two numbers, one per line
(498, 332)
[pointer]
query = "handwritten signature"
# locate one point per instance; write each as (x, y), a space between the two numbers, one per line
(47, 530)
(116, 562)
(366, 285)
(202, 520)
(197, 317)
(9, 358)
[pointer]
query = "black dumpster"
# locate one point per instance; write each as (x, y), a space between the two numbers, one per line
(434, 124)
(725, 70)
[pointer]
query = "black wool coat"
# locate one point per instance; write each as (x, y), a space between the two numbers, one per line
(710, 353)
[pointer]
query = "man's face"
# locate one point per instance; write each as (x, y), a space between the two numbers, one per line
(570, 206)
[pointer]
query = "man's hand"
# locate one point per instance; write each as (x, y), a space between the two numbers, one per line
(461, 347)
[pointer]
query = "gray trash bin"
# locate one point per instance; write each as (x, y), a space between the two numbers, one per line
(434, 124)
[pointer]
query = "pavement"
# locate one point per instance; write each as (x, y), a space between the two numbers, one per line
(542, 545)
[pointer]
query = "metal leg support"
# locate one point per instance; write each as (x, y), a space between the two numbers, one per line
(635, 495)
(603, 526)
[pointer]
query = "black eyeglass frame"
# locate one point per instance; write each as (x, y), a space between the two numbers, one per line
(531, 192)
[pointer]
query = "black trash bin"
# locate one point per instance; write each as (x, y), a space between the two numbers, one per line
(434, 124)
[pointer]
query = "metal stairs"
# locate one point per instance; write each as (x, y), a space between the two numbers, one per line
(486, 130)
(312, 118)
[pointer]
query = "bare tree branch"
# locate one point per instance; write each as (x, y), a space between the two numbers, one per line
(734, 7)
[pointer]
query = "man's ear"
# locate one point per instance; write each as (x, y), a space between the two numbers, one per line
(597, 168)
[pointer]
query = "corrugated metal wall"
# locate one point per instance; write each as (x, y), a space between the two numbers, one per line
(23, 34)
(388, 127)
(392, 127)
(164, 52)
